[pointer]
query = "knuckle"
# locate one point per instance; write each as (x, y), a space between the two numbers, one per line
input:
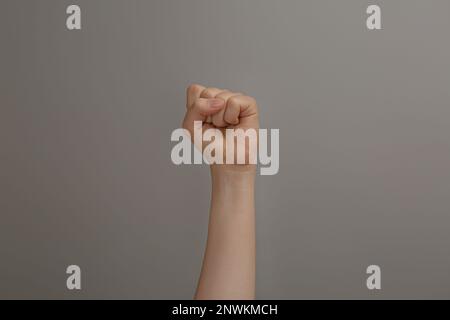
(224, 95)
(250, 100)
(209, 92)
(205, 93)
(251, 103)
(236, 100)
(194, 88)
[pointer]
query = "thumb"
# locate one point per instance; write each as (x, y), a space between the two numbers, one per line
(200, 110)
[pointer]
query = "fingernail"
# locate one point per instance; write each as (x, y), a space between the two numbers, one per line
(215, 103)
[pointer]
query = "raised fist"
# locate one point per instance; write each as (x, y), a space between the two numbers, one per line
(217, 109)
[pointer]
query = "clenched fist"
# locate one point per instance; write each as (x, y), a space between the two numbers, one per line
(219, 110)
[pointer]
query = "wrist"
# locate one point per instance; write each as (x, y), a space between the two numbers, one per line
(233, 171)
(237, 176)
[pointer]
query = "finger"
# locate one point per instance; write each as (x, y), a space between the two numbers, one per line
(209, 93)
(219, 119)
(247, 106)
(200, 110)
(193, 92)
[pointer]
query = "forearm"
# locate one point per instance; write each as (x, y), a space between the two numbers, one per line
(228, 270)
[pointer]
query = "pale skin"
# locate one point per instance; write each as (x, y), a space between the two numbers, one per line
(228, 270)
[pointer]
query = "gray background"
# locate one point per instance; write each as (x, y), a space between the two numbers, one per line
(85, 123)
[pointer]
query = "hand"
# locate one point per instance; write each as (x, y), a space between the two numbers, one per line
(222, 109)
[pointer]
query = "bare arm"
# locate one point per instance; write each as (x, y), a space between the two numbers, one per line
(228, 270)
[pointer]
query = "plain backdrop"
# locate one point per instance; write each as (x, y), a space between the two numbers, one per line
(85, 124)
